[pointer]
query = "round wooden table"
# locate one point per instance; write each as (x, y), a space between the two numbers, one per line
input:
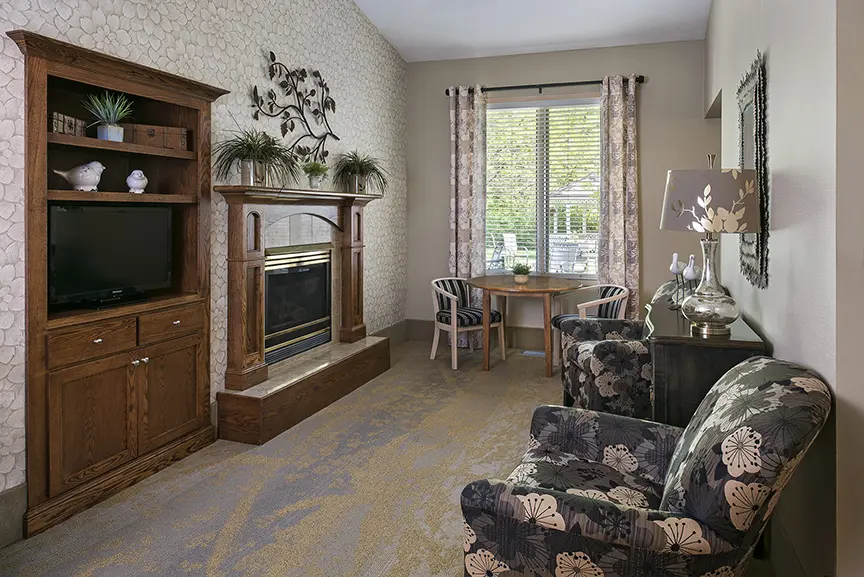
(539, 286)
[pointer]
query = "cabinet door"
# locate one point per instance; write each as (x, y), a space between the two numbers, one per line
(92, 420)
(171, 402)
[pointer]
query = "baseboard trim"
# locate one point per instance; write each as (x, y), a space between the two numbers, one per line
(13, 505)
(525, 338)
(397, 333)
(60, 508)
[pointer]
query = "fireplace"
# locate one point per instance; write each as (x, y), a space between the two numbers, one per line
(297, 301)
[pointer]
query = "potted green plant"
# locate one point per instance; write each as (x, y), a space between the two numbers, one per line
(109, 108)
(316, 172)
(521, 271)
(263, 159)
(355, 173)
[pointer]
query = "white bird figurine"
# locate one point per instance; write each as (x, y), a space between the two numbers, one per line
(692, 272)
(136, 181)
(677, 267)
(85, 177)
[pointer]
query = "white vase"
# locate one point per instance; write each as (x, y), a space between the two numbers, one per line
(110, 132)
(315, 181)
(520, 278)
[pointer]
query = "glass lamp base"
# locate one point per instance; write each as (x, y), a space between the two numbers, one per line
(710, 309)
(710, 314)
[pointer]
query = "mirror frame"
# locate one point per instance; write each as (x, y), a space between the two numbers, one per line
(754, 247)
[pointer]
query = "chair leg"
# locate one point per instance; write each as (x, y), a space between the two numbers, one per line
(502, 341)
(454, 349)
(470, 342)
(435, 343)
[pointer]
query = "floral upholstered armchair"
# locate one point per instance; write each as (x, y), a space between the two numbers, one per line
(604, 495)
(606, 363)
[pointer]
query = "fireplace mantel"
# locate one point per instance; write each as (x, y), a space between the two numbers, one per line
(246, 365)
(268, 195)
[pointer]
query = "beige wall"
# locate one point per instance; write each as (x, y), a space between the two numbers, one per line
(672, 134)
(850, 280)
(797, 311)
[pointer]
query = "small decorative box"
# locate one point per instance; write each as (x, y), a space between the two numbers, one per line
(58, 123)
(172, 137)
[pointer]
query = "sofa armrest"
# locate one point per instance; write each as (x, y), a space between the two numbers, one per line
(596, 519)
(643, 448)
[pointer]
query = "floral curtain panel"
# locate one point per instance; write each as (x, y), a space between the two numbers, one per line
(467, 186)
(618, 251)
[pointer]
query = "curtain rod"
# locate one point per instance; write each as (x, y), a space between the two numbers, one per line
(540, 87)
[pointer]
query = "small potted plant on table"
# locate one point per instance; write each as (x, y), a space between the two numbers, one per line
(109, 108)
(316, 173)
(521, 271)
(263, 159)
(355, 173)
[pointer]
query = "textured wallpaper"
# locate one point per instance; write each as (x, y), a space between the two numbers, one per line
(223, 43)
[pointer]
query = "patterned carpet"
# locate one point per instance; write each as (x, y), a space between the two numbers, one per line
(367, 487)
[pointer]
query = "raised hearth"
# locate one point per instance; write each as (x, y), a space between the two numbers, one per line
(299, 387)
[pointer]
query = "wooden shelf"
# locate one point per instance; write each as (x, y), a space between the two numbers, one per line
(79, 316)
(85, 142)
(147, 198)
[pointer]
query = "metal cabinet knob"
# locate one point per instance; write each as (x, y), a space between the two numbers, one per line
(97, 341)
(136, 363)
(175, 323)
(145, 360)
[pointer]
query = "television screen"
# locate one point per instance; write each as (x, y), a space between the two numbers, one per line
(102, 252)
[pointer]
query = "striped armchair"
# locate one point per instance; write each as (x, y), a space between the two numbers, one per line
(451, 299)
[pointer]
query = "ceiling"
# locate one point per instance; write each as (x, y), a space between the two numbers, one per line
(447, 29)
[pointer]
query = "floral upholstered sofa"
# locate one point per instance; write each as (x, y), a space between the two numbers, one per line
(606, 363)
(603, 495)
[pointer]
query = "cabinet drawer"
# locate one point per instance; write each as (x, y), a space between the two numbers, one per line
(91, 341)
(164, 325)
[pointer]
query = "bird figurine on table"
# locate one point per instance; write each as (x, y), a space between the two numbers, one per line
(676, 267)
(692, 273)
(85, 177)
(136, 181)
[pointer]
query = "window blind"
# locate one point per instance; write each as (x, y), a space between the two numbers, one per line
(543, 186)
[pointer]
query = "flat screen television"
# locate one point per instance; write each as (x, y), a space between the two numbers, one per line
(103, 254)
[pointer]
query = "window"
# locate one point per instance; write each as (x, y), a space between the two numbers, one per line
(543, 186)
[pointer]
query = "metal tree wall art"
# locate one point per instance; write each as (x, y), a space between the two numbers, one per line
(302, 108)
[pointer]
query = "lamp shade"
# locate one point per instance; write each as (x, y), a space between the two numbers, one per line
(715, 201)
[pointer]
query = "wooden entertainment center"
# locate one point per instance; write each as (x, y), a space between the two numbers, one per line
(113, 395)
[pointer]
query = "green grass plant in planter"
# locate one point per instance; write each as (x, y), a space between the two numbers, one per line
(316, 173)
(264, 161)
(108, 108)
(520, 272)
(356, 173)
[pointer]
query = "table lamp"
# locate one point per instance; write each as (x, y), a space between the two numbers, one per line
(711, 202)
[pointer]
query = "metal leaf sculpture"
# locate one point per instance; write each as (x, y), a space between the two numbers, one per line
(302, 109)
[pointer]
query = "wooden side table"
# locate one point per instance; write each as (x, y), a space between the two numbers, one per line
(538, 286)
(686, 366)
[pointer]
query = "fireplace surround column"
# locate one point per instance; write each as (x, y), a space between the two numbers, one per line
(352, 326)
(246, 366)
